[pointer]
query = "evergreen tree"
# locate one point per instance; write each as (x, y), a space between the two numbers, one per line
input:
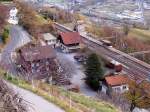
(94, 71)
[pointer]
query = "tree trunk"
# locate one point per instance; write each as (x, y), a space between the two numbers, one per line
(132, 107)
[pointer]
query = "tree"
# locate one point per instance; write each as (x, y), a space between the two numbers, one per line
(66, 66)
(138, 95)
(94, 71)
(34, 23)
(10, 100)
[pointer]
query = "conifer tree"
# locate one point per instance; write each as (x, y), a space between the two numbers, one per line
(94, 71)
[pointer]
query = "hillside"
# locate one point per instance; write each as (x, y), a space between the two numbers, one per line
(68, 101)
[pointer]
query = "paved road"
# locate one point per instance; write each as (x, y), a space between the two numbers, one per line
(18, 38)
(36, 103)
(134, 68)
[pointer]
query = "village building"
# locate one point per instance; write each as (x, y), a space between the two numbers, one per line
(49, 39)
(36, 61)
(69, 41)
(115, 83)
(39, 62)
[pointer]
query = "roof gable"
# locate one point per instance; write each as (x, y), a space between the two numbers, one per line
(38, 53)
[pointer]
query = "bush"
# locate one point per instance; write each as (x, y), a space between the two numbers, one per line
(9, 78)
(5, 35)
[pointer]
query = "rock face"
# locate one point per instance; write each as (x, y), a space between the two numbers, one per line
(9, 100)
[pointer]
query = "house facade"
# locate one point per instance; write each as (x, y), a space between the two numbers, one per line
(69, 41)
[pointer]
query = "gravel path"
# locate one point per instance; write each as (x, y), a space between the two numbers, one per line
(37, 103)
(18, 38)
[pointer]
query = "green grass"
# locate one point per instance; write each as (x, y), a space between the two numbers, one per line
(96, 105)
(25, 85)
(81, 102)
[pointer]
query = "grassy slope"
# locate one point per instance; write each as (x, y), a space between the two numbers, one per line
(98, 106)
(82, 102)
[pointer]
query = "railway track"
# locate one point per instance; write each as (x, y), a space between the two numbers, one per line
(134, 67)
(128, 66)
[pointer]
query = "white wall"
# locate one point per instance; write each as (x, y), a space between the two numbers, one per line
(121, 88)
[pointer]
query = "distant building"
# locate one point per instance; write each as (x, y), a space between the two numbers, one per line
(115, 83)
(69, 41)
(13, 19)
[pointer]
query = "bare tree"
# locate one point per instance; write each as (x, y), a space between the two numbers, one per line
(138, 95)
(117, 99)
(3, 16)
(31, 20)
(68, 68)
(9, 100)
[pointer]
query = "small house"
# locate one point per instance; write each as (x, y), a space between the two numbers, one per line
(115, 83)
(49, 39)
(69, 41)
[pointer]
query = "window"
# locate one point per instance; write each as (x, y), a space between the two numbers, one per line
(117, 89)
(124, 87)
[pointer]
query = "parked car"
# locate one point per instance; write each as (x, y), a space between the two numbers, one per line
(80, 58)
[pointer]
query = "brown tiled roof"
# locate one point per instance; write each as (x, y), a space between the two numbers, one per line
(70, 37)
(37, 52)
(116, 80)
